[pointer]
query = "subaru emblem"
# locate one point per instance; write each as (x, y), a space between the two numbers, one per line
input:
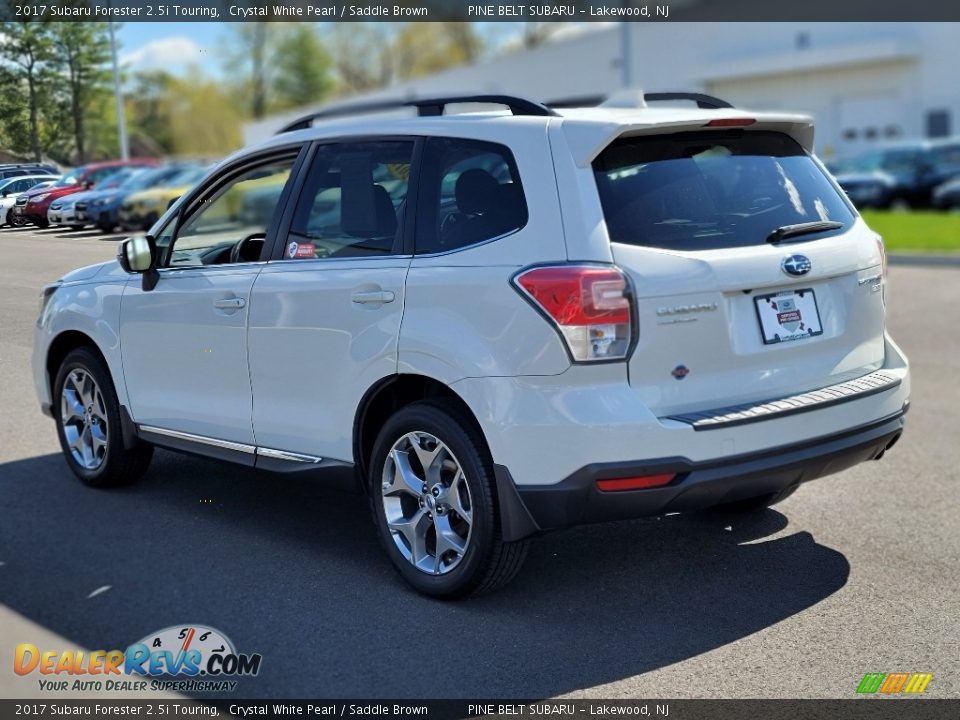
(796, 265)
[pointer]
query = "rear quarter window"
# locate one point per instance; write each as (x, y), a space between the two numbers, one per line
(470, 193)
(704, 190)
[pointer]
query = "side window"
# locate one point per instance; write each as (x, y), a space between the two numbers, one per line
(352, 202)
(470, 193)
(230, 224)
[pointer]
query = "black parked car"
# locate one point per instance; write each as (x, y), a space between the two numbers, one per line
(946, 196)
(899, 176)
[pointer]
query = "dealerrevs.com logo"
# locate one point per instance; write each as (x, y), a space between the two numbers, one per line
(181, 658)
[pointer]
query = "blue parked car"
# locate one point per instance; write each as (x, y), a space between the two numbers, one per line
(100, 207)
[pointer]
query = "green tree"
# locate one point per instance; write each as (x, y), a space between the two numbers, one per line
(362, 55)
(425, 48)
(301, 68)
(150, 106)
(28, 51)
(82, 50)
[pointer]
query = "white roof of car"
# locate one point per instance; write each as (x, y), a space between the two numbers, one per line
(588, 130)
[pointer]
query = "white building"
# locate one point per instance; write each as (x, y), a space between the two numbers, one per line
(863, 82)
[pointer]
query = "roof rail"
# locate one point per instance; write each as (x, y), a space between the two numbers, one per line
(426, 107)
(702, 100)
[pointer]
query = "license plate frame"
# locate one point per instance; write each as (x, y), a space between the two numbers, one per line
(796, 316)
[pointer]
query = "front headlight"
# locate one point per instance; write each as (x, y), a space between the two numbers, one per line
(42, 197)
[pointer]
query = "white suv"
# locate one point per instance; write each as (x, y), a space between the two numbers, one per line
(493, 324)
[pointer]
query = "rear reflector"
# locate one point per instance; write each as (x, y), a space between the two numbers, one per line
(587, 303)
(635, 483)
(730, 122)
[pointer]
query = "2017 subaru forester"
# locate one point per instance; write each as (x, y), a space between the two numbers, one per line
(493, 323)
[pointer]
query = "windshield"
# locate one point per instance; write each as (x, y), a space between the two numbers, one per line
(148, 178)
(70, 178)
(703, 190)
(187, 177)
(119, 177)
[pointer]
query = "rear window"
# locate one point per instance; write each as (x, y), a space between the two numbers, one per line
(697, 191)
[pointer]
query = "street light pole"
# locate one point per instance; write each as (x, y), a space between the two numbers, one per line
(626, 56)
(121, 115)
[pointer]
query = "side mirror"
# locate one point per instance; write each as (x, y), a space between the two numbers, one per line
(135, 254)
(88, 185)
(5, 193)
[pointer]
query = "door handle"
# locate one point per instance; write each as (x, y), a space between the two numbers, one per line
(373, 297)
(230, 303)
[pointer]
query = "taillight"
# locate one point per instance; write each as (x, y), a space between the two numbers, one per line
(588, 304)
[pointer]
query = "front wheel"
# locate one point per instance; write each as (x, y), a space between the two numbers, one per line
(434, 503)
(88, 424)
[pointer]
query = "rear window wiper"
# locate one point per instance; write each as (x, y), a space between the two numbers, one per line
(785, 231)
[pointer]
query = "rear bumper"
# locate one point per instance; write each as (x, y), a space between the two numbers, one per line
(698, 485)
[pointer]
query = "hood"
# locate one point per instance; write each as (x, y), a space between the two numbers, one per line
(54, 193)
(90, 195)
(89, 272)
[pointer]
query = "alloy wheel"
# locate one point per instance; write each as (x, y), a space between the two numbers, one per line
(83, 417)
(427, 503)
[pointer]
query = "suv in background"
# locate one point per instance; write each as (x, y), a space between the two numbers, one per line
(493, 324)
(37, 203)
(9, 171)
(899, 176)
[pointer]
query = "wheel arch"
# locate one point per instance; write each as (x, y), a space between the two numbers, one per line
(394, 392)
(386, 397)
(62, 345)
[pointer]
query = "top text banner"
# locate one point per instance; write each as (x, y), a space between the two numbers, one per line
(461, 10)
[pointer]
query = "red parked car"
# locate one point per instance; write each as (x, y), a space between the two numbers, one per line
(82, 178)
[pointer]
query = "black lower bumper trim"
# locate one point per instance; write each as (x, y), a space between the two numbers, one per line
(576, 500)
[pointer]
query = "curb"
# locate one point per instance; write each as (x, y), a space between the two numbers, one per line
(924, 259)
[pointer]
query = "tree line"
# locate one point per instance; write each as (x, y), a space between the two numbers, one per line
(57, 101)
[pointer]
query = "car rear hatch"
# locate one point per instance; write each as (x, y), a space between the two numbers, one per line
(753, 277)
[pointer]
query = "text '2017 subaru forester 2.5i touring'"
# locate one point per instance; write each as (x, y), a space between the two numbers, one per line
(493, 323)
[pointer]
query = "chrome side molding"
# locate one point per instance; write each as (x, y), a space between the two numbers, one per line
(230, 445)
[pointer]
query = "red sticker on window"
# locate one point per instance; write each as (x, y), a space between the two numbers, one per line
(301, 251)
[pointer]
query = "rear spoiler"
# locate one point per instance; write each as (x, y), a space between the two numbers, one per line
(587, 138)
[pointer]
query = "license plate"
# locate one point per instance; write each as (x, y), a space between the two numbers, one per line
(788, 315)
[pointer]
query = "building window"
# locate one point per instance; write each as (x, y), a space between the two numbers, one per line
(938, 123)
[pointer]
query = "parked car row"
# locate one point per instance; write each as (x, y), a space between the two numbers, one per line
(916, 174)
(130, 194)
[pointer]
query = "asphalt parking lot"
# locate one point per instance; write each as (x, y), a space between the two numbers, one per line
(855, 573)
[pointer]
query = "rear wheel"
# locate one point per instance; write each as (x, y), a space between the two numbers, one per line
(754, 504)
(434, 502)
(88, 424)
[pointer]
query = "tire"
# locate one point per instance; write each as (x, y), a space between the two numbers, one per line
(754, 504)
(91, 437)
(899, 204)
(475, 559)
(76, 227)
(42, 224)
